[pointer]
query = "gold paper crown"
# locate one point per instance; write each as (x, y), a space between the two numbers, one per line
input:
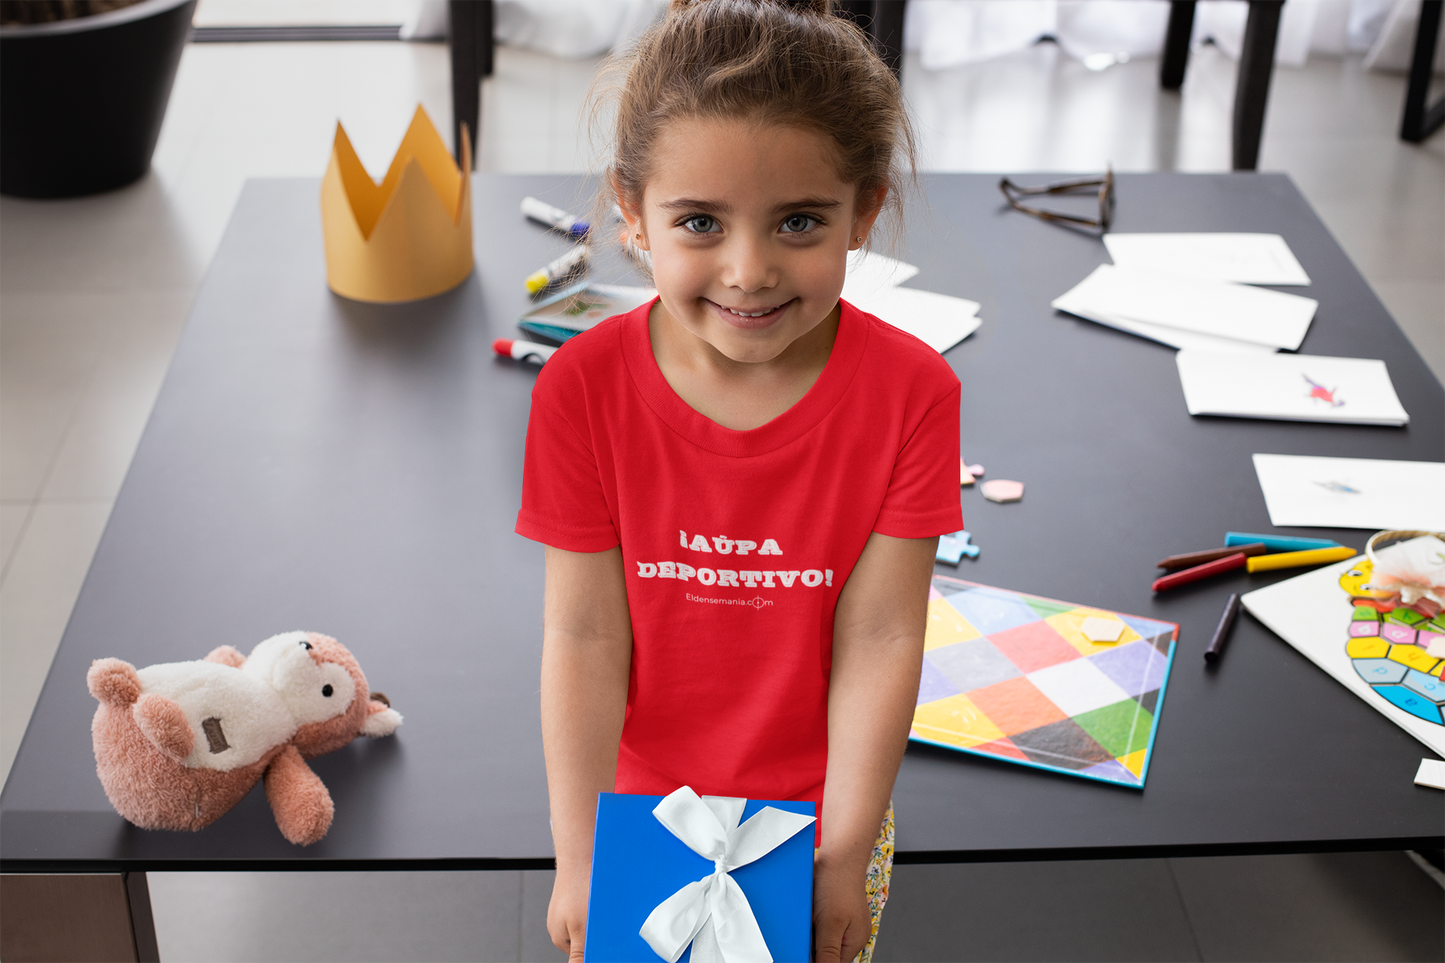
(411, 236)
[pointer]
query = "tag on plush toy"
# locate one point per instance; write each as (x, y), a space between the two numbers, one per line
(179, 743)
(716, 878)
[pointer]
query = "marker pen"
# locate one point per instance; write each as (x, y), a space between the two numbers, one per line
(522, 350)
(565, 266)
(554, 217)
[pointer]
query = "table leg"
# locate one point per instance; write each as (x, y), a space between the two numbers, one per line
(1420, 119)
(1176, 44)
(469, 43)
(1251, 89)
(81, 916)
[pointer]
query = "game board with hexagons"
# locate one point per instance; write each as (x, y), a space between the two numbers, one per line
(1042, 683)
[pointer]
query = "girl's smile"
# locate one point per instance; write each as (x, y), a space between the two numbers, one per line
(750, 318)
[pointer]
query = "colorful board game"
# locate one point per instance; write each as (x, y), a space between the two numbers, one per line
(1019, 678)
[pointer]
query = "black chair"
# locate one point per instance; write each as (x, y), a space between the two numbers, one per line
(884, 21)
(470, 44)
(1420, 119)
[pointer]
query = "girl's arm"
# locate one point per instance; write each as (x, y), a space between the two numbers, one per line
(877, 659)
(586, 659)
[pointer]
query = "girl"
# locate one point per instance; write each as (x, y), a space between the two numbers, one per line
(741, 484)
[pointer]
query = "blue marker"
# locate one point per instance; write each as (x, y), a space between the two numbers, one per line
(554, 217)
(1278, 543)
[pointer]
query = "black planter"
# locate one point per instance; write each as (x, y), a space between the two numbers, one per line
(81, 101)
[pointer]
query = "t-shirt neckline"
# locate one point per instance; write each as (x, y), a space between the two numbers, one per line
(803, 416)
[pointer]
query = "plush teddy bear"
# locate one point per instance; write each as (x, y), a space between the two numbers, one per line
(178, 744)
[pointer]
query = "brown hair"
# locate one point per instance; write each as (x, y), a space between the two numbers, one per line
(793, 64)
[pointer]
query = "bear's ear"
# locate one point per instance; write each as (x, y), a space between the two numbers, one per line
(226, 655)
(113, 681)
(380, 720)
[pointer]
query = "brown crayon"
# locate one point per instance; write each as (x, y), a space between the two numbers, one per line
(1189, 559)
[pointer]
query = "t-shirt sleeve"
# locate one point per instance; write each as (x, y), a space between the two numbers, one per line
(563, 501)
(922, 498)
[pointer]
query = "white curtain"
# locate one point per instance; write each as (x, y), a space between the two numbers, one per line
(563, 28)
(947, 33)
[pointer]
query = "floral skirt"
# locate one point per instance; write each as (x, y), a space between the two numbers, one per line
(880, 873)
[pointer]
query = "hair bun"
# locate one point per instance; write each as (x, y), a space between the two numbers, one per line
(821, 7)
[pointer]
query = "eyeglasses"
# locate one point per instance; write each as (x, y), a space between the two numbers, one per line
(1104, 185)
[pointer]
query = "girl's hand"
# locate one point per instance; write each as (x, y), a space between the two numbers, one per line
(841, 922)
(567, 914)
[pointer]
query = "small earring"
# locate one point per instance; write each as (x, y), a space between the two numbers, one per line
(638, 236)
(858, 239)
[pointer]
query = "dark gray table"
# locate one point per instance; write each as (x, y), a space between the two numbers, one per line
(356, 469)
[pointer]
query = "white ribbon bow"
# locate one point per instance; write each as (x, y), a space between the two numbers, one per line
(713, 914)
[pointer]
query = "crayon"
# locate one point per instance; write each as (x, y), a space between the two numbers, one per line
(1278, 543)
(1221, 633)
(554, 217)
(1199, 558)
(565, 266)
(1317, 556)
(523, 350)
(1184, 576)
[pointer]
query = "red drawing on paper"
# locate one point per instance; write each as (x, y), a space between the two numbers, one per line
(1320, 392)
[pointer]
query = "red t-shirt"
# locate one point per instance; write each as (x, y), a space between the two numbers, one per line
(736, 543)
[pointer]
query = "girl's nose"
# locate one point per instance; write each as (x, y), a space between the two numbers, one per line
(748, 267)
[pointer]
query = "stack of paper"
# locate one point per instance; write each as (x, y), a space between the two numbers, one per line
(1190, 312)
(1289, 387)
(938, 320)
(1188, 291)
(1307, 491)
(1242, 258)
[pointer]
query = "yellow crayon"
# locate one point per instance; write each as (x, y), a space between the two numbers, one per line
(1315, 556)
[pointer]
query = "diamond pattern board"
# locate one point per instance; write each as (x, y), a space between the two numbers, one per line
(1017, 677)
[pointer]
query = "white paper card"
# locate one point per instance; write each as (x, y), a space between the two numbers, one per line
(1242, 258)
(870, 273)
(939, 320)
(1308, 491)
(1312, 613)
(1173, 337)
(1289, 387)
(1431, 773)
(1216, 308)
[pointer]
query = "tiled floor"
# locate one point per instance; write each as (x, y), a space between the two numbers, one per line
(94, 292)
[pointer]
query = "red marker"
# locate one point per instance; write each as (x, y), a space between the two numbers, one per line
(522, 350)
(1185, 576)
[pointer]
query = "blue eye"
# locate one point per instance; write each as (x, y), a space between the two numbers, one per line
(798, 224)
(702, 224)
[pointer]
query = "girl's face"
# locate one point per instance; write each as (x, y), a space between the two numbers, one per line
(749, 229)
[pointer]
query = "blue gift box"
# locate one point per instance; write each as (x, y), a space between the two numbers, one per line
(637, 863)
